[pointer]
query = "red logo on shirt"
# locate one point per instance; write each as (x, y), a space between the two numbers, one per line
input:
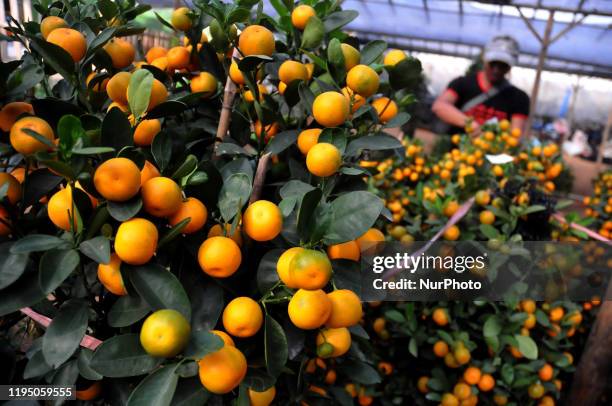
(482, 113)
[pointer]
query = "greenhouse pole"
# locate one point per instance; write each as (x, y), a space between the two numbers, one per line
(544, 43)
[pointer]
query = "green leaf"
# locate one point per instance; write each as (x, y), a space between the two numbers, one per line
(352, 215)
(339, 19)
(36, 366)
(489, 231)
(156, 389)
(313, 33)
(307, 97)
(122, 356)
(108, 9)
(55, 266)
(275, 344)
(251, 62)
(38, 137)
(234, 194)
(162, 149)
(507, 373)
(187, 168)
(160, 288)
(413, 347)
(122, 211)
(92, 150)
(83, 361)
(398, 121)
(127, 310)
(405, 74)
(207, 304)
(65, 332)
(281, 142)
(54, 56)
(69, 131)
(258, 379)
(492, 327)
(336, 58)
(25, 292)
(306, 212)
(174, 232)
(24, 78)
(190, 392)
(98, 249)
(116, 130)
(201, 343)
(395, 315)
(372, 51)
(359, 372)
(139, 92)
(12, 265)
(267, 276)
(373, 143)
(167, 108)
(527, 346)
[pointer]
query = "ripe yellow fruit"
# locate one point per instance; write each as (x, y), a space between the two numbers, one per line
(487, 217)
(307, 139)
(346, 309)
(242, 317)
(352, 57)
(117, 179)
(482, 197)
(323, 159)
(178, 58)
(110, 276)
(117, 87)
(385, 108)
(452, 233)
(262, 220)
(121, 52)
(355, 100)
(160, 63)
(440, 317)
(330, 109)
(154, 53)
(5, 222)
(147, 172)
(159, 94)
(219, 256)
(249, 97)
(262, 398)
(180, 19)
(61, 209)
(256, 40)
(363, 80)
(346, 250)
(216, 231)
(50, 23)
(193, 209)
(338, 338)
(10, 112)
(204, 83)
(394, 56)
(370, 239)
(146, 131)
(300, 16)
(70, 41)
(309, 309)
(227, 339)
(25, 143)
(136, 241)
(223, 370)
(282, 266)
(165, 333)
(13, 193)
(236, 74)
(161, 196)
(292, 70)
(99, 86)
(310, 269)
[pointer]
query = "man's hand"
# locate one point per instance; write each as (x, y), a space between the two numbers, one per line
(473, 129)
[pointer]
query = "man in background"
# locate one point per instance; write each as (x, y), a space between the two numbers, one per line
(475, 98)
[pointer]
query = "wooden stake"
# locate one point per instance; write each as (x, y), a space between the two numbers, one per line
(226, 108)
(260, 177)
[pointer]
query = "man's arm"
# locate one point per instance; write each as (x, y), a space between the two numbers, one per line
(444, 108)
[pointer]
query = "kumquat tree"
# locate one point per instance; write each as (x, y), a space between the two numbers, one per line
(190, 223)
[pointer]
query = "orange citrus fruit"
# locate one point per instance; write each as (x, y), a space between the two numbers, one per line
(309, 309)
(50, 23)
(117, 87)
(323, 159)
(355, 100)
(13, 193)
(91, 392)
(161, 196)
(394, 56)
(219, 256)
(300, 16)
(351, 56)
(338, 338)
(147, 172)
(256, 40)
(110, 276)
(145, 131)
(385, 108)
(346, 250)
(204, 83)
(346, 309)
(10, 112)
(117, 179)
(5, 222)
(262, 220)
(154, 53)
(370, 239)
(292, 70)
(121, 52)
(217, 230)
(61, 209)
(70, 41)
(307, 139)
(178, 58)
(262, 398)
(165, 333)
(330, 109)
(180, 19)
(282, 266)
(223, 370)
(136, 241)
(193, 209)
(242, 317)
(362, 80)
(25, 143)
(227, 339)
(310, 269)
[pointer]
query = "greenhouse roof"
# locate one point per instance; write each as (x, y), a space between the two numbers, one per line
(461, 28)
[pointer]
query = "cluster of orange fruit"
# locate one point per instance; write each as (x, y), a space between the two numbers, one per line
(599, 205)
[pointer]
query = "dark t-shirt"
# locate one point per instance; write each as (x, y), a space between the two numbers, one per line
(509, 102)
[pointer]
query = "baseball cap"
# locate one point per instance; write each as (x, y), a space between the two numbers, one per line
(502, 49)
